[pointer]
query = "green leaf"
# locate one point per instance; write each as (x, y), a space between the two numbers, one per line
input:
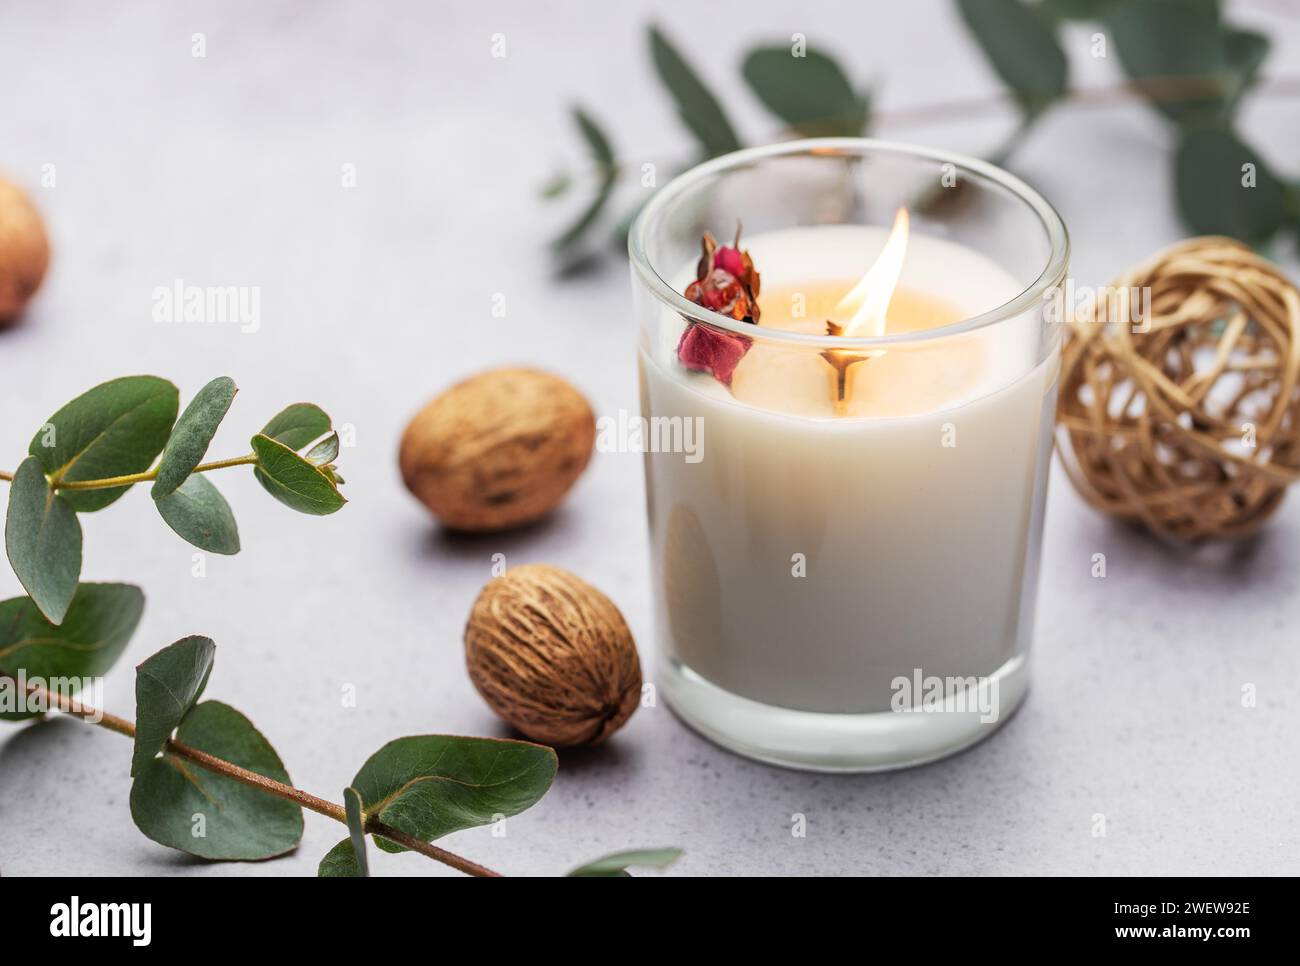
(1244, 52)
(340, 862)
(588, 217)
(297, 425)
(43, 540)
(294, 481)
(115, 429)
(597, 141)
(193, 432)
(348, 858)
(201, 516)
(697, 107)
(94, 632)
(616, 864)
(324, 452)
(356, 814)
(183, 805)
(1075, 9)
(167, 686)
(1194, 68)
(810, 93)
(1022, 48)
(1213, 200)
(602, 154)
(431, 785)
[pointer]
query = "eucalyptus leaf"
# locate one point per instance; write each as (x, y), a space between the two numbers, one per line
(1208, 179)
(297, 425)
(324, 452)
(810, 93)
(588, 217)
(183, 805)
(602, 154)
(616, 864)
(1244, 51)
(43, 540)
(340, 862)
(697, 107)
(201, 516)
(1181, 50)
(356, 814)
(1022, 48)
(192, 434)
(348, 858)
(431, 785)
(95, 630)
(167, 686)
(1075, 9)
(114, 429)
(292, 480)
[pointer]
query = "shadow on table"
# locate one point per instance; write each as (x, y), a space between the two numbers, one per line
(440, 543)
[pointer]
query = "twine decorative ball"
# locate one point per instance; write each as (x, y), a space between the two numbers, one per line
(552, 656)
(24, 251)
(1188, 420)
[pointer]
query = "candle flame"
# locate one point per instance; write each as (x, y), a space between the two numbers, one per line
(867, 302)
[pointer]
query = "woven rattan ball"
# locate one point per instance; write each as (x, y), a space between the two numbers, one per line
(1187, 420)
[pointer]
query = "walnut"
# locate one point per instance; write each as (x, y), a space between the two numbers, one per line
(552, 656)
(24, 251)
(498, 450)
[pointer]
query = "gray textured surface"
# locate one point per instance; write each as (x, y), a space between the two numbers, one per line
(225, 171)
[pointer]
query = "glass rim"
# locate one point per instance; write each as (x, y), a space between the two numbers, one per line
(1053, 225)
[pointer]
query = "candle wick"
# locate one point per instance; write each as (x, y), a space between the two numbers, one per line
(840, 362)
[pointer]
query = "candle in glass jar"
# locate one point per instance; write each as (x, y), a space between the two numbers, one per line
(836, 537)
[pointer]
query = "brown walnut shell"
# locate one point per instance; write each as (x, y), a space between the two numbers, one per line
(552, 656)
(24, 250)
(499, 450)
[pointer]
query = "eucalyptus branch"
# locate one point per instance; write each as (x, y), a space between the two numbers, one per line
(126, 432)
(244, 776)
(1197, 85)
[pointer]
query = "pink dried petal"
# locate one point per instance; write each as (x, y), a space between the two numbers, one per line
(706, 349)
(729, 260)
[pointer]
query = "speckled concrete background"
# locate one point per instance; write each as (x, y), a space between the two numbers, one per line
(225, 171)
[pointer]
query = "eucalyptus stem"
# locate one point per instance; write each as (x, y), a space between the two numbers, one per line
(270, 786)
(7, 477)
(146, 476)
(1167, 88)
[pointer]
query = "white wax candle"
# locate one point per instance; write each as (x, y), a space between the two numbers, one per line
(914, 525)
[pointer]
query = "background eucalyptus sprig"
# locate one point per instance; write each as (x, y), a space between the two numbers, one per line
(1181, 56)
(204, 779)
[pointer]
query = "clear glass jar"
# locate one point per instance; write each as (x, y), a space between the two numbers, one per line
(845, 571)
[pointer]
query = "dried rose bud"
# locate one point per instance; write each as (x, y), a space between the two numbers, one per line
(721, 292)
(725, 283)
